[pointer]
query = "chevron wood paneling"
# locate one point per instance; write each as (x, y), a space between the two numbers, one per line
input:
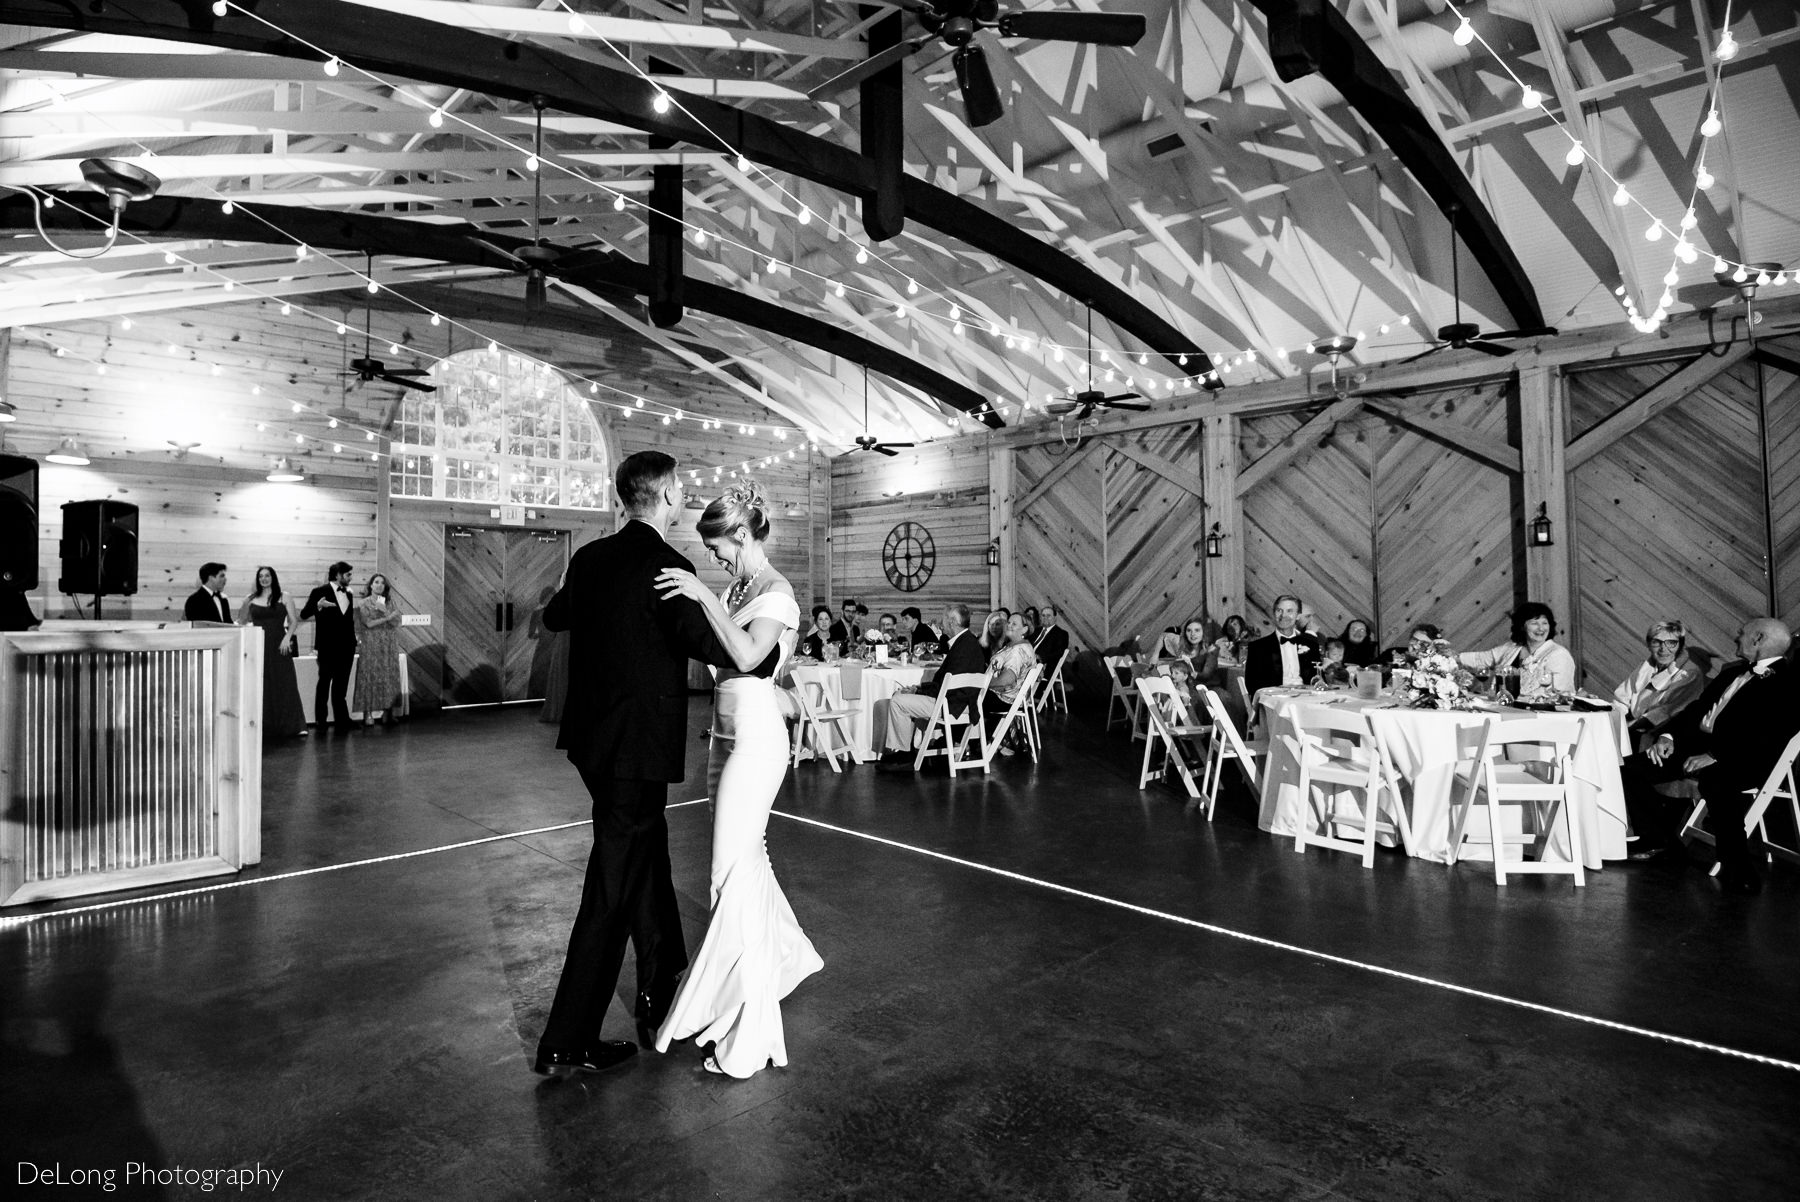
(1448, 549)
(1307, 528)
(1155, 556)
(1669, 519)
(1061, 538)
(1783, 393)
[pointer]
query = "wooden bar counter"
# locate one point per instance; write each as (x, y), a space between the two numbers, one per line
(130, 755)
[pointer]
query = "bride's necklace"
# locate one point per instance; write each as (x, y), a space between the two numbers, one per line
(740, 588)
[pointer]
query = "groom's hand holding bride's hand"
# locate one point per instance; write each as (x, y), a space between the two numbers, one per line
(674, 582)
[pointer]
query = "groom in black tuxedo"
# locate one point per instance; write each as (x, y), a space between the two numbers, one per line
(1285, 656)
(334, 641)
(625, 729)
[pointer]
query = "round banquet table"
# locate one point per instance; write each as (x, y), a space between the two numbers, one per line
(1422, 746)
(852, 685)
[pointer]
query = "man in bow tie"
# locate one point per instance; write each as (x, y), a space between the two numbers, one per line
(1287, 657)
(1728, 740)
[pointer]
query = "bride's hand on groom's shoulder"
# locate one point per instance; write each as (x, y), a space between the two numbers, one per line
(674, 582)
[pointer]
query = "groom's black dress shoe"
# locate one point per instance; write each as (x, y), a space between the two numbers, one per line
(605, 1054)
(650, 1011)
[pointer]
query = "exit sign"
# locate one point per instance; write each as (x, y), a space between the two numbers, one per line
(415, 619)
(512, 515)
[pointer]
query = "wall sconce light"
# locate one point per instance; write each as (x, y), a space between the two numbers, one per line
(286, 473)
(1540, 527)
(993, 554)
(1215, 543)
(70, 453)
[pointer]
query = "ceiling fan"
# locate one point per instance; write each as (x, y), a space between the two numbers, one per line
(955, 22)
(367, 369)
(1461, 335)
(535, 260)
(867, 441)
(1083, 403)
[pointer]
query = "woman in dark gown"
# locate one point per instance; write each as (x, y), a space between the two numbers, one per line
(283, 716)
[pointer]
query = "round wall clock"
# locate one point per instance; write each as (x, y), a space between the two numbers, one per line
(908, 556)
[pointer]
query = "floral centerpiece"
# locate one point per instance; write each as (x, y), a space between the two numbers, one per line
(1437, 680)
(871, 639)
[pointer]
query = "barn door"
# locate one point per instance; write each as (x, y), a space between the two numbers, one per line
(474, 615)
(534, 564)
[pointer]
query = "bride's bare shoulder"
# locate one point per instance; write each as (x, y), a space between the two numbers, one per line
(775, 582)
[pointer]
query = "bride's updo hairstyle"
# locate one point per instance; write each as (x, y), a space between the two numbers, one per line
(741, 506)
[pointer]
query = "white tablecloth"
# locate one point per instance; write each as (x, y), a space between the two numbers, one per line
(877, 684)
(1421, 744)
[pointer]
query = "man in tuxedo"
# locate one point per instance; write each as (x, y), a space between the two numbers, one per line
(908, 710)
(625, 729)
(1051, 641)
(1287, 656)
(334, 641)
(1728, 739)
(208, 604)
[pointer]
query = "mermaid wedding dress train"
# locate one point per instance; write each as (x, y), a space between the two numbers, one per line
(754, 952)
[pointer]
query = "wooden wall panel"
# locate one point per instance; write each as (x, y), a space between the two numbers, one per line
(1155, 526)
(943, 486)
(1061, 537)
(1783, 393)
(1306, 528)
(1448, 545)
(1669, 519)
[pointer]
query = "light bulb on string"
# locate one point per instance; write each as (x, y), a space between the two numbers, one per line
(300, 252)
(1621, 197)
(126, 323)
(839, 290)
(1465, 33)
(436, 319)
(1703, 179)
(862, 255)
(1671, 276)
(1531, 98)
(1719, 265)
(661, 103)
(619, 203)
(1711, 125)
(331, 66)
(220, 8)
(1725, 51)
(699, 237)
(1762, 279)
(1684, 250)
(955, 312)
(743, 164)
(373, 287)
(1654, 233)
(805, 215)
(1740, 275)
(169, 257)
(531, 162)
(912, 287)
(436, 119)
(1576, 156)
(342, 329)
(1688, 220)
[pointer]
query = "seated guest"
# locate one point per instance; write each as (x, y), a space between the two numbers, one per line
(1419, 643)
(890, 630)
(823, 632)
(208, 603)
(1728, 739)
(1543, 664)
(1332, 668)
(1200, 654)
(1234, 638)
(847, 631)
(922, 633)
(1360, 648)
(1052, 641)
(1286, 657)
(1034, 623)
(993, 634)
(1007, 668)
(1662, 685)
(908, 710)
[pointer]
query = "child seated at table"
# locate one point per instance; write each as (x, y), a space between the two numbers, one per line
(1333, 670)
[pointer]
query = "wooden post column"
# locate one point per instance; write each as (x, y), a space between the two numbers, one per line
(1219, 485)
(1004, 580)
(1543, 437)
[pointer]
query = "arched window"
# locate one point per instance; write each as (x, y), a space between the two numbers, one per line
(499, 429)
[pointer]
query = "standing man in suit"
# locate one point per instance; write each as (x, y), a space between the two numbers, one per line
(1051, 641)
(208, 604)
(1287, 656)
(1729, 740)
(625, 729)
(334, 641)
(909, 709)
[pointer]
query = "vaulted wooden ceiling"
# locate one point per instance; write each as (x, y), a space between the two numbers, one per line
(1197, 201)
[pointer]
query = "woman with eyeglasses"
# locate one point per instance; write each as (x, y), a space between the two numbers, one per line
(1543, 664)
(1663, 684)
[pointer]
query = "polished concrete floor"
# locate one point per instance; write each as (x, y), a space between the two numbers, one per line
(1097, 994)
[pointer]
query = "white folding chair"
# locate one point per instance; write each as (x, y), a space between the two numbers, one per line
(1170, 726)
(1052, 692)
(1227, 744)
(1243, 694)
(821, 721)
(947, 720)
(1778, 787)
(1018, 710)
(1339, 754)
(1522, 763)
(1118, 671)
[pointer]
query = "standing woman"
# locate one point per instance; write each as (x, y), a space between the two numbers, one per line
(283, 715)
(754, 953)
(378, 642)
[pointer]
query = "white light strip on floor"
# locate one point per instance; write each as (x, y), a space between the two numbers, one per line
(1539, 1007)
(13, 920)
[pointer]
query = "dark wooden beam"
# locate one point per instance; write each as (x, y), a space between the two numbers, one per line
(189, 217)
(392, 45)
(1673, 388)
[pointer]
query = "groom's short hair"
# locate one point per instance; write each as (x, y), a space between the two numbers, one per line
(640, 477)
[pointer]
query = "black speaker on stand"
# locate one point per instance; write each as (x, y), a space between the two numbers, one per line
(99, 549)
(18, 523)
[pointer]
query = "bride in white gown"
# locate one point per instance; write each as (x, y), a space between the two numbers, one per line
(754, 953)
